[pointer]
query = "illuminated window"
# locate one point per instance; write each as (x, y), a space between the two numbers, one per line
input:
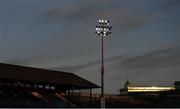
(40, 86)
(47, 87)
(52, 87)
(149, 89)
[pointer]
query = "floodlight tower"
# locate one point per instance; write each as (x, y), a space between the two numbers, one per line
(103, 29)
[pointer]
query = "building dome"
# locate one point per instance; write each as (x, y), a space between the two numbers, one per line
(127, 83)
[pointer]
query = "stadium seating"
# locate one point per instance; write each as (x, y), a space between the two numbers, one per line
(18, 97)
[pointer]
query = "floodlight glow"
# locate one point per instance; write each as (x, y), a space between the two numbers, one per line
(103, 28)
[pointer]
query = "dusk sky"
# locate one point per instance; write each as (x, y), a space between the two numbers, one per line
(59, 35)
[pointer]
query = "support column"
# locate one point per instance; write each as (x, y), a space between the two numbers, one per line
(79, 94)
(68, 98)
(90, 97)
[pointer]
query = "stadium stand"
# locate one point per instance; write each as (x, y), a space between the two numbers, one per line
(34, 87)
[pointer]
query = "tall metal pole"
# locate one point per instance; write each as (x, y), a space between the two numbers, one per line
(103, 29)
(102, 73)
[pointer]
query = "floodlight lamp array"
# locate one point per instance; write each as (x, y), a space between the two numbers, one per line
(103, 29)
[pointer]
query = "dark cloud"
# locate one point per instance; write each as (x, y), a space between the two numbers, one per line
(115, 11)
(169, 4)
(140, 22)
(75, 68)
(150, 17)
(63, 11)
(164, 58)
(157, 59)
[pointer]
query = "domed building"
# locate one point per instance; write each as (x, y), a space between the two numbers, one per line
(128, 84)
(124, 90)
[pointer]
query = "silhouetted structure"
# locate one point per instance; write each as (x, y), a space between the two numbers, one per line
(177, 86)
(34, 87)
